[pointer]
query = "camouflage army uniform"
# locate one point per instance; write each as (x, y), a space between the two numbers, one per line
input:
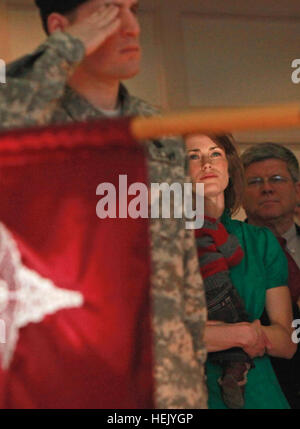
(36, 93)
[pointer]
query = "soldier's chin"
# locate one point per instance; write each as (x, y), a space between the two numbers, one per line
(129, 74)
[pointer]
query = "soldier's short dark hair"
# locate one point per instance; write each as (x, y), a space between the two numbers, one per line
(264, 151)
(63, 7)
(234, 192)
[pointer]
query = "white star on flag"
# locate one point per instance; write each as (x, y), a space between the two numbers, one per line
(25, 296)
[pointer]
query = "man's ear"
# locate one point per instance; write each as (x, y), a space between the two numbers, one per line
(297, 187)
(56, 21)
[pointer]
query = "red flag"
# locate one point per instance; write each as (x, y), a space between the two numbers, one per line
(74, 289)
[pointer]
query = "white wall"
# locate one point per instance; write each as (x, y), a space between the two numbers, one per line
(198, 53)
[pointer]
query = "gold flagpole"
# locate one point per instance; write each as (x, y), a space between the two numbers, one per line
(217, 121)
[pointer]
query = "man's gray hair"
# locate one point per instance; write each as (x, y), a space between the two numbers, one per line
(263, 151)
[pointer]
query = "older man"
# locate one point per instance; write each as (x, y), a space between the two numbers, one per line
(271, 195)
(75, 75)
(272, 191)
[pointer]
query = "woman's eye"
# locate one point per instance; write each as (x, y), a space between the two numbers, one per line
(216, 154)
(193, 156)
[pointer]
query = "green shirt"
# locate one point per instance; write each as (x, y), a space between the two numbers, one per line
(264, 266)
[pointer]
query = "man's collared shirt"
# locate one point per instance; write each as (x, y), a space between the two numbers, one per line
(293, 244)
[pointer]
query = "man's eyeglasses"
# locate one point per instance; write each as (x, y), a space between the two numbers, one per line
(277, 179)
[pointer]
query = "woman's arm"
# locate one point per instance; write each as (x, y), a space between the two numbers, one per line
(254, 338)
(249, 336)
(222, 336)
(279, 310)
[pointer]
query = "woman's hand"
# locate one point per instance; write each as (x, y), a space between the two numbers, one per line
(256, 340)
(249, 336)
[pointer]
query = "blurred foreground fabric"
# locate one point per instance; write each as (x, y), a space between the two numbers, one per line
(74, 289)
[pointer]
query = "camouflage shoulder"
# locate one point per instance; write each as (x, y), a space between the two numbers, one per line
(63, 44)
(168, 147)
(136, 106)
(18, 67)
(71, 48)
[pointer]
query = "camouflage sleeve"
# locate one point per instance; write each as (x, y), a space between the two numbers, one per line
(195, 309)
(195, 303)
(36, 82)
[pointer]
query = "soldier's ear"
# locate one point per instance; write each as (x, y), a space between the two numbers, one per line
(56, 21)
